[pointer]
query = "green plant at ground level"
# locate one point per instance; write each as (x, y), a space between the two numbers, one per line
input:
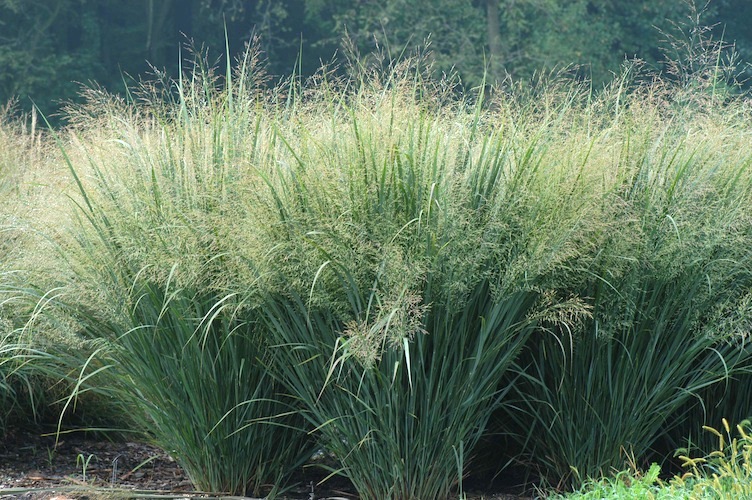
(626, 484)
(724, 473)
(83, 462)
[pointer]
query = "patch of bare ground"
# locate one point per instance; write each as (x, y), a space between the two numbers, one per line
(34, 466)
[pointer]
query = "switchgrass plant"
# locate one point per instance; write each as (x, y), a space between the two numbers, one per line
(396, 425)
(395, 255)
(415, 243)
(24, 391)
(379, 263)
(155, 293)
(674, 269)
(193, 364)
(726, 398)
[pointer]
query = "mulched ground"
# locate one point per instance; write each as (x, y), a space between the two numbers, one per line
(33, 466)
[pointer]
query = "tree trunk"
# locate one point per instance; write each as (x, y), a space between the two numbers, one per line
(155, 22)
(495, 65)
(184, 19)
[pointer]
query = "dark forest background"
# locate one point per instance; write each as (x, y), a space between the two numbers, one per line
(49, 48)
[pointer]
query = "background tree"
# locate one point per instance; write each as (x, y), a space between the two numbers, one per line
(47, 49)
(509, 37)
(46, 46)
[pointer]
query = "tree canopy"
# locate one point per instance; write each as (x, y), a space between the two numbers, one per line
(48, 49)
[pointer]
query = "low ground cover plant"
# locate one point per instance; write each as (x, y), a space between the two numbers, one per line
(726, 472)
(375, 265)
(722, 473)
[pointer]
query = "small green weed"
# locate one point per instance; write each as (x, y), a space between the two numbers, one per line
(83, 462)
(626, 484)
(725, 472)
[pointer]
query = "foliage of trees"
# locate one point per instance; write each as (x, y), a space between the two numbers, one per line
(49, 48)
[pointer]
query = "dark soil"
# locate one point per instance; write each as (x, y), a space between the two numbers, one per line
(34, 466)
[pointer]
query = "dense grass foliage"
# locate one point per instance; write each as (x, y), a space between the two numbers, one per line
(410, 277)
(666, 291)
(375, 266)
(23, 395)
(162, 299)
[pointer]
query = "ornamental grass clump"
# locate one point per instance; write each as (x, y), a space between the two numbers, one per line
(156, 291)
(416, 243)
(24, 388)
(373, 265)
(674, 264)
